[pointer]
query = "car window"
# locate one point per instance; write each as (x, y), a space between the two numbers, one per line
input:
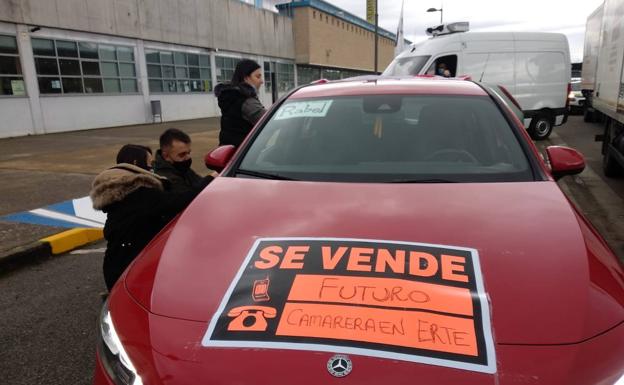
(406, 66)
(508, 102)
(389, 138)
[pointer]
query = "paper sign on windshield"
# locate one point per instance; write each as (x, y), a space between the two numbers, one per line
(398, 300)
(312, 108)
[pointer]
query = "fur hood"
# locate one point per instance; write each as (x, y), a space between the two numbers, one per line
(114, 184)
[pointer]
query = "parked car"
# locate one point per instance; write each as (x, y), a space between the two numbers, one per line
(576, 100)
(374, 231)
(533, 66)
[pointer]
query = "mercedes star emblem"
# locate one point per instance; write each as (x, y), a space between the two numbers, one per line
(339, 366)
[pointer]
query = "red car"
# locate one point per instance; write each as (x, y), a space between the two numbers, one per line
(399, 231)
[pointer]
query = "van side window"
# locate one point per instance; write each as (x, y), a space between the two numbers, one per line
(540, 67)
(496, 69)
(448, 62)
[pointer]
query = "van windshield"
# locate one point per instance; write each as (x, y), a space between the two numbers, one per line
(409, 65)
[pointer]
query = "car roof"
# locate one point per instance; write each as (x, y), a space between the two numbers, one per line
(377, 85)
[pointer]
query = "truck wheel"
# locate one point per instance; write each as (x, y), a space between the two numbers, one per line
(610, 165)
(541, 127)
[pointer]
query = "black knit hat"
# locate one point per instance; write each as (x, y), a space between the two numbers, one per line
(243, 69)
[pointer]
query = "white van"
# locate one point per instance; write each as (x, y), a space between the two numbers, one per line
(533, 66)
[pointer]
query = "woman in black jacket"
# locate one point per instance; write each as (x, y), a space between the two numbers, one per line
(240, 107)
(137, 206)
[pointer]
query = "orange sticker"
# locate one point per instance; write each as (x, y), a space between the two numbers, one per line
(412, 329)
(387, 292)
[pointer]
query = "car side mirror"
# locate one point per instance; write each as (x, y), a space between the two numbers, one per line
(565, 161)
(218, 158)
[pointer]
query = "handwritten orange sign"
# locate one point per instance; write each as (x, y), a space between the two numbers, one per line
(407, 301)
(387, 292)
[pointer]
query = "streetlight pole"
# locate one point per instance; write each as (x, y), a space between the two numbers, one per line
(376, 33)
(437, 10)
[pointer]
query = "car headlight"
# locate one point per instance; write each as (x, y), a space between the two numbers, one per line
(112, 353)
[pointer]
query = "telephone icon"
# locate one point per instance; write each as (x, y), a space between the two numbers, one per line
(250, 318)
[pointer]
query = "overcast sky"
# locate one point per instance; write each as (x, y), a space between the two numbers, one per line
(563, 16)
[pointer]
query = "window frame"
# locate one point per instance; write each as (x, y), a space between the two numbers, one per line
(221, 77)
(175, 65)
(19, 67)
(82, 76)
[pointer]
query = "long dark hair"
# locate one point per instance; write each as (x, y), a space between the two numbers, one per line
(243, 69)
(134, 154)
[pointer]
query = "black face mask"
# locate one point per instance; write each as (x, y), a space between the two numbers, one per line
(184, 165)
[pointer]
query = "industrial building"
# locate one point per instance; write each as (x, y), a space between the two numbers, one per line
(80, 64)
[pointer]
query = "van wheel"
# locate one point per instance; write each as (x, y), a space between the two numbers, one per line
(541, 127)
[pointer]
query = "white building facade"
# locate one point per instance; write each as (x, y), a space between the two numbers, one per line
(70, 65)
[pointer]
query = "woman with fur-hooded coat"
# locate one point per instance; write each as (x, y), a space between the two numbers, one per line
(137, 208)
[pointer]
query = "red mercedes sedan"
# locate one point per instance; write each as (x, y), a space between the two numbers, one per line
(375, 230)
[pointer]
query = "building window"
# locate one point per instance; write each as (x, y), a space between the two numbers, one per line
(307, 74)
(267, 76)
(330, 74)
(70, 67)
(225, 68)
(285, 77)
(178, 72)
(11, 78)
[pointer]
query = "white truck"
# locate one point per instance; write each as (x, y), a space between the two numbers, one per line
(533, 66)
(602, 82)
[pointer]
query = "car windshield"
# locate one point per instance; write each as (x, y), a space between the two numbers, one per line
(406, 66)
(388, 138)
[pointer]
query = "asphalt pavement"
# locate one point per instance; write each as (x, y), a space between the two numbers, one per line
(41, 170)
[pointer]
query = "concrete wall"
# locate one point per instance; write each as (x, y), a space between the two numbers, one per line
(325, 40)
(221, 24)
(15, 116)
(91, 111)
(180, 107)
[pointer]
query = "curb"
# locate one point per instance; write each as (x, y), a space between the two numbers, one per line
(71, 239)
(48, 247)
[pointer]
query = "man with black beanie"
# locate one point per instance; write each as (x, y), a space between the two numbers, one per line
(240, 107)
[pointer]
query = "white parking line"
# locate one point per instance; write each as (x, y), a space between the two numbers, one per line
(89, 251)
(65, 217)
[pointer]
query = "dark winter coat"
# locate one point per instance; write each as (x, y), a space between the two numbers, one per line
(137, 208)
(240, 111)
(181, 181)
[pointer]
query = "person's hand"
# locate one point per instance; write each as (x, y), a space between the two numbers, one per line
(214, 174)
(447, 73)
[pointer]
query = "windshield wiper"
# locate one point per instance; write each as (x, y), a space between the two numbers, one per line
(422, 181)
(263, 175)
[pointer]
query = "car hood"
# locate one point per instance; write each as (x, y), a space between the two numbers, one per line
(548, 279)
